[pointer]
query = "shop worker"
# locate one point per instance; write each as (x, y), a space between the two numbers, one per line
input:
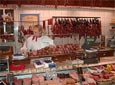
(37, 41)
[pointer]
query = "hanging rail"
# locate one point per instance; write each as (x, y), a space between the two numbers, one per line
(71, 17)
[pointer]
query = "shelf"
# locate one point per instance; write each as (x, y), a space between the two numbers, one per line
(112, 29)
(103, 61)
(36, 71)
(32, 70)
(61, 71)
(112, 23)
(43, 56)
(106, 49)
(27, 71)
(51, 55)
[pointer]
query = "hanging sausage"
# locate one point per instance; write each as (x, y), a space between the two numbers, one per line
(83, 26)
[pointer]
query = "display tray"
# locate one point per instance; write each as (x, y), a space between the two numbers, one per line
(49, 55)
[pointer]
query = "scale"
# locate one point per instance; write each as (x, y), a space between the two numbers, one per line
(90, 53)
(88, 43)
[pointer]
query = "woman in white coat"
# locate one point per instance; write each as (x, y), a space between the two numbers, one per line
(37, 41)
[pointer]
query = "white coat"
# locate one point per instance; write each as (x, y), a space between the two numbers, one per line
(38, 44)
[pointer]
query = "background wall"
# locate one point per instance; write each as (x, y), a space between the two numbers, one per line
(47, 12)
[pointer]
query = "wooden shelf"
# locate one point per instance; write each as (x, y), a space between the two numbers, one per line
(112, 23)
(103, 61)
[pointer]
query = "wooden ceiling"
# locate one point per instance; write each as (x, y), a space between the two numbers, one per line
(86, 3)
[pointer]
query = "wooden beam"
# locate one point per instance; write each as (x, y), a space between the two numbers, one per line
(86, 3)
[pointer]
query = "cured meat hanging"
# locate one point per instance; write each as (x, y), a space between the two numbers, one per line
(62, 28)
(83, 26)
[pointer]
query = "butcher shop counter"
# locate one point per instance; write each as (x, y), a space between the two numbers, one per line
(55, 57)
(30, 69)
(105, 52)
(63, 66)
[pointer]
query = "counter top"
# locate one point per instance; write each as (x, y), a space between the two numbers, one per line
(106, 49)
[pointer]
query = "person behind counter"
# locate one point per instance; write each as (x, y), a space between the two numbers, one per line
(37, 41)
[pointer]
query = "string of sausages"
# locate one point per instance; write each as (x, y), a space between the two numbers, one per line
(84, 27)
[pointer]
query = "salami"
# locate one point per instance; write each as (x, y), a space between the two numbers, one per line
(81, 26)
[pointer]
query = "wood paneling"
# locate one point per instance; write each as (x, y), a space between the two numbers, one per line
(105, 53)
(89, 3)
